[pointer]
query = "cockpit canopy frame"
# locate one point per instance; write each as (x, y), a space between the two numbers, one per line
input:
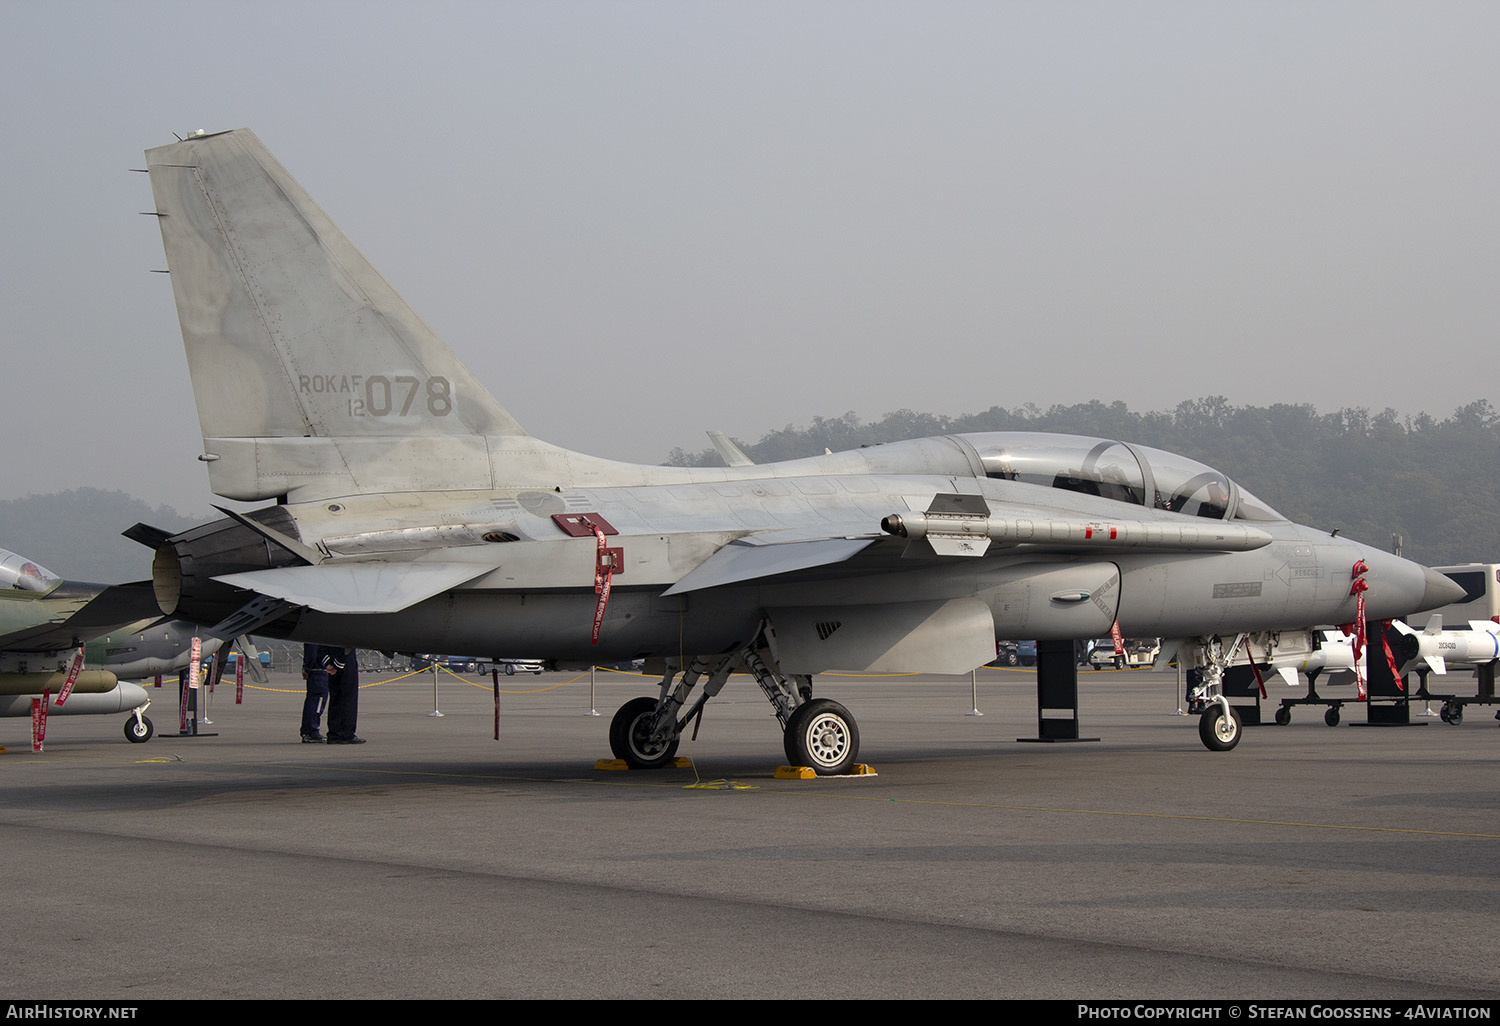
(1137, 475)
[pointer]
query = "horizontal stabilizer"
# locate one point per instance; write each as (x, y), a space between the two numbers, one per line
(372, 586)
(111, 608)
(115, 606)
(145, 534)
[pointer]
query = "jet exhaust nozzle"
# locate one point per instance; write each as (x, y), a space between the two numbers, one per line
(183, 571)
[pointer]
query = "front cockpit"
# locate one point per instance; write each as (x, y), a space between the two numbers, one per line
(17, 573)
(1133, 474)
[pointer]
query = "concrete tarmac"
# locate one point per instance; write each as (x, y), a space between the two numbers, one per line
(1310, 862)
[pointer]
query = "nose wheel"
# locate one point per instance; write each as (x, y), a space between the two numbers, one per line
(1219, 732)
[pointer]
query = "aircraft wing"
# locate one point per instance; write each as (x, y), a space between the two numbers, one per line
(366, 586)
(107, 609)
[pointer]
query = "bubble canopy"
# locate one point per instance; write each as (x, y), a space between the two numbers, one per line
(1134, 474)
(17, 573)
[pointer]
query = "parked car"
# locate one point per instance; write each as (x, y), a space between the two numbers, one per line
(1005, 654)
(1026, 652)
(1138, 652)
(511, 667)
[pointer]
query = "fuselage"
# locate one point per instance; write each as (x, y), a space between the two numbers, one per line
(536, 596)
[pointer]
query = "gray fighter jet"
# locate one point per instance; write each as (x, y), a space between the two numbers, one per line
(409, 511)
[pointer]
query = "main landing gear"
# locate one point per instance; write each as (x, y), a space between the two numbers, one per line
(823, 735)
(635, 736)
(817, 733)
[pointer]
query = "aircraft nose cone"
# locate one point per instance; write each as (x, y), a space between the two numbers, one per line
(1440, 590)
(1400, 587)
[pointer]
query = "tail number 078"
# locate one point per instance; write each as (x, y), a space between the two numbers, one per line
(386, 397)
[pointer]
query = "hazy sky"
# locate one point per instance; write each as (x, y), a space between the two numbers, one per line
(638, 220)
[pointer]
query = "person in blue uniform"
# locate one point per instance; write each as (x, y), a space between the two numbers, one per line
(342, 668)
(317, 693)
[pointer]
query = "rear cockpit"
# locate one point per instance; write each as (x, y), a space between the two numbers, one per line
(1133, 474)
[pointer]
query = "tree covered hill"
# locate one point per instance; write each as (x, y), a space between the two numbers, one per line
(77, 533)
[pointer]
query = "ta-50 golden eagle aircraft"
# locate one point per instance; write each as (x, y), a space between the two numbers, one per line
(411, 512)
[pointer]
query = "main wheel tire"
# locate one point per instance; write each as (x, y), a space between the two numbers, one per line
(1218, 732)
(138, 732)
(821, 734)
(1283, 716)
(1331, 717)
(628, 739)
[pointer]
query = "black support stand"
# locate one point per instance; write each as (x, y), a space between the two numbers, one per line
(1389, 702)
(1056, 693)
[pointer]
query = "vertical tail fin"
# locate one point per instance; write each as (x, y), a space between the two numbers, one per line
(307, 367)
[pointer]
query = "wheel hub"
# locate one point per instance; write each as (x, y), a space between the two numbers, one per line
(643, 741)
(828, 739)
